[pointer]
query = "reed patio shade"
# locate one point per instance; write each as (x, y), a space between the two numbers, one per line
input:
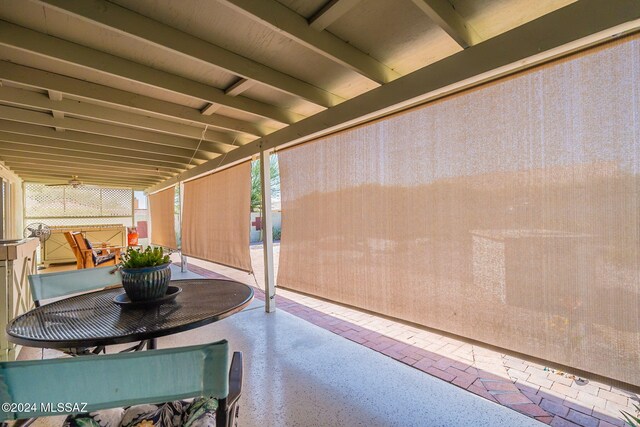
(216, 213)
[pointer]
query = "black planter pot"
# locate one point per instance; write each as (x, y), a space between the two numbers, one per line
(147, 283)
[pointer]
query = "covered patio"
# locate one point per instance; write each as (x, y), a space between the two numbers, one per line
(457, 180)
(306, 375)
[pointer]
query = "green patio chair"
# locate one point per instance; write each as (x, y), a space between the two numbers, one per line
(54, 285)
(90, 385)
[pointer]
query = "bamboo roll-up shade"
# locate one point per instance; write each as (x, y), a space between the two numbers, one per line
(508, 214)
(216, 217)
(162, 208)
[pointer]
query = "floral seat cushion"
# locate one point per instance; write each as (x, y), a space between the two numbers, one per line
(200, 412)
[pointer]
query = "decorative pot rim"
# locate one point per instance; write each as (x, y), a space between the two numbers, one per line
(145, 269)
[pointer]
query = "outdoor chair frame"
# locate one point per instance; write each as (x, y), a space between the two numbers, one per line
(124, 379)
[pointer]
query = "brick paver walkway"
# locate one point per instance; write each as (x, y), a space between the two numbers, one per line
(547, 395)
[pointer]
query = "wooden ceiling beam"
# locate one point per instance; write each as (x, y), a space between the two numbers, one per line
(87, 142)
(71, 171)
(121, 99)
(209, 109)
(20, 169)
(235, 89)
(72, 149)
(24, 154)
(93, 175)
(214, 141)
(240, 86)
(288, 23)
(48, 164)
(53, 48)
(94, 148)
(127, 22)
(153, 142)
(330, 13)
(54, 95)
(447, 17)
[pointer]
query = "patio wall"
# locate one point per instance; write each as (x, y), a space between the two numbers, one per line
(507, 214)
(14, 203)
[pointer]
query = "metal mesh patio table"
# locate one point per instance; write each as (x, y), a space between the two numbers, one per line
(94, 319)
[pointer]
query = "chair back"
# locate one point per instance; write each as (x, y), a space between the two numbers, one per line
(74, 248)
(115, 380)
(83, 249)
(53, 285)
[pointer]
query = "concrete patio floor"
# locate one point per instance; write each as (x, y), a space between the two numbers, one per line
(541, 392)
(300, 375)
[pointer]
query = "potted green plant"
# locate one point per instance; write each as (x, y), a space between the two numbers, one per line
(633, 420)
(145, 273)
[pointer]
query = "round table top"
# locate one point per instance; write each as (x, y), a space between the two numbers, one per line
(93, 319)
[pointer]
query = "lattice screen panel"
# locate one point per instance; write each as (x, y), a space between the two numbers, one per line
(115, 202)
(43, 201)
(82, 201)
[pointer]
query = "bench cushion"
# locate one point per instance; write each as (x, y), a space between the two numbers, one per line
(99, 259)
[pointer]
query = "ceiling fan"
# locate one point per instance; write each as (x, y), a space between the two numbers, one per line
(73, 182)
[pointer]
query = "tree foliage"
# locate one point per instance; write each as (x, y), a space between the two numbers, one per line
(256, 190)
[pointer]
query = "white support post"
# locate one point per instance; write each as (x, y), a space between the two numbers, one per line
(183, 259)
(149, 224)
(183, 263)
(267, 234)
